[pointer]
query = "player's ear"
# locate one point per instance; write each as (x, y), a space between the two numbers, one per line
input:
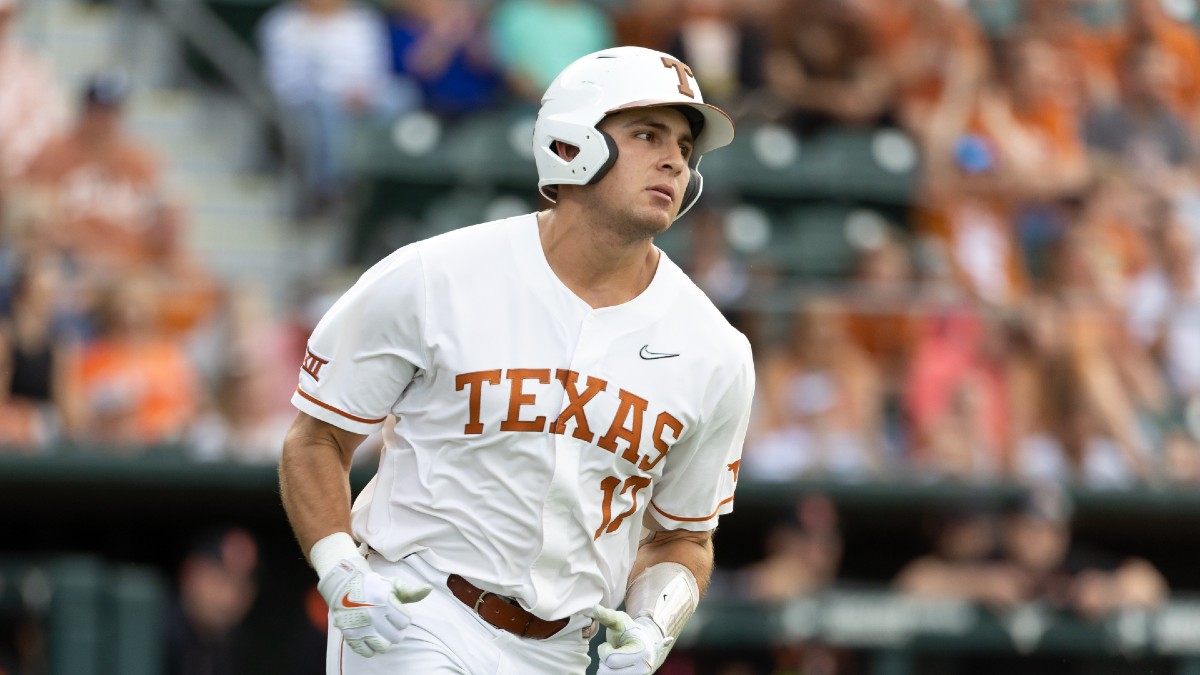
(565, 150)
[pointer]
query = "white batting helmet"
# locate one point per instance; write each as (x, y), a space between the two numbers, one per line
(610, 81)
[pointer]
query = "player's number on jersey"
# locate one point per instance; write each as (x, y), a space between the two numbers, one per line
(609, 488)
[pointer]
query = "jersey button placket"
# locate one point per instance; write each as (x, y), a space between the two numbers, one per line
(559, 537)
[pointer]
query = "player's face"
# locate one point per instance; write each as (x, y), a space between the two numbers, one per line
(646, 185)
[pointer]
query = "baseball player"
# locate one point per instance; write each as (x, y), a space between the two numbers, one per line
(562, 410)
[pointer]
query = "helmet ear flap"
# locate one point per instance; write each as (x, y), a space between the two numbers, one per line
(608, 163)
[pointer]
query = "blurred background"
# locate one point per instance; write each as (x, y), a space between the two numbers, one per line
(962, 236)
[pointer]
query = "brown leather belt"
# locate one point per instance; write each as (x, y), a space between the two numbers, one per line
(502, 612)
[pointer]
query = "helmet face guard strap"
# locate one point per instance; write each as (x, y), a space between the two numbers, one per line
(607, 82)
(690, 194)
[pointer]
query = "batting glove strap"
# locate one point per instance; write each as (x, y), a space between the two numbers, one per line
(330, 550)
(366, 606)
(633, 646)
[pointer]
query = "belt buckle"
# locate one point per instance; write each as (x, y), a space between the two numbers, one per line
(479, 600)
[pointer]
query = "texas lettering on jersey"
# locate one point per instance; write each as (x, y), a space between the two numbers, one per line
(627, 423)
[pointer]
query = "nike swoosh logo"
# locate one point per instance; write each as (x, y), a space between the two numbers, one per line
(350, 604)
(650, 356)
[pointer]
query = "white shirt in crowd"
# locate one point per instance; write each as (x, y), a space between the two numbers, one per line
(307, 55)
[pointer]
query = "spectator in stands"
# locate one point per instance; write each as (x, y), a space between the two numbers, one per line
(1163, 316)
(965, 199)
(962, 564)
(1147, 22)
(1001, 147)
(1036, 539)
(217, 586)
(1018, 154)
(932, 50)
(249, 409)
(823, 66)
(955, 398)
(1041, 388)
(1164, 298)
(1076, 416)
(1033, 559)
(1052, 157)
(882, 315)
(442, 45)
(328, 63)
(803, 559)
(40, 402)
(1113, 226)
(1086, 47)
(711, 262)
(32, 109)
(139, 386)
(190, 291)
(647, 23)
(1142, 129)
(731, 279)
(1078, 443)
(246, 424)
(105, 185)
(803, 553)
(726, 49)
(820, 407)
(1120, 389)
(535, 39)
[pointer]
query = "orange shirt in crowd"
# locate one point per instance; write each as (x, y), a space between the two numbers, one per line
(1056, 127)
(1088, 52)
(920, 38)
(106, 196)
(885, 334)
(1181, 48)
(140, 392)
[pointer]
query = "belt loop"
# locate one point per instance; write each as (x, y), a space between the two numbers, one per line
(479, 601)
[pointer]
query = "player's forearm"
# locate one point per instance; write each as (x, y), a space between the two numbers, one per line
(669, 576)
(315, 486)
(693, 550)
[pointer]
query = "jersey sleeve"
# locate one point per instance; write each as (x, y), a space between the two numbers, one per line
(699, 478)
(368, 347)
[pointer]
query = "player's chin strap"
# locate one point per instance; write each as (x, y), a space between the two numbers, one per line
(665, 593)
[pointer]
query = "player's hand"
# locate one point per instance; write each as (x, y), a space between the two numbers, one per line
(366, 606)
(633, 646)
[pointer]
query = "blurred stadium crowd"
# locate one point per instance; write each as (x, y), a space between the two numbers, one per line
(1027, 314)
(1032, 313)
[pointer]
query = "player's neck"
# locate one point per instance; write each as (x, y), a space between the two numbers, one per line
(593, 263)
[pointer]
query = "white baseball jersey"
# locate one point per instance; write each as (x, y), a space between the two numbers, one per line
(525, 432)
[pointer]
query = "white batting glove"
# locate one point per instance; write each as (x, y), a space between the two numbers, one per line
(366, 606)
(633, 646)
